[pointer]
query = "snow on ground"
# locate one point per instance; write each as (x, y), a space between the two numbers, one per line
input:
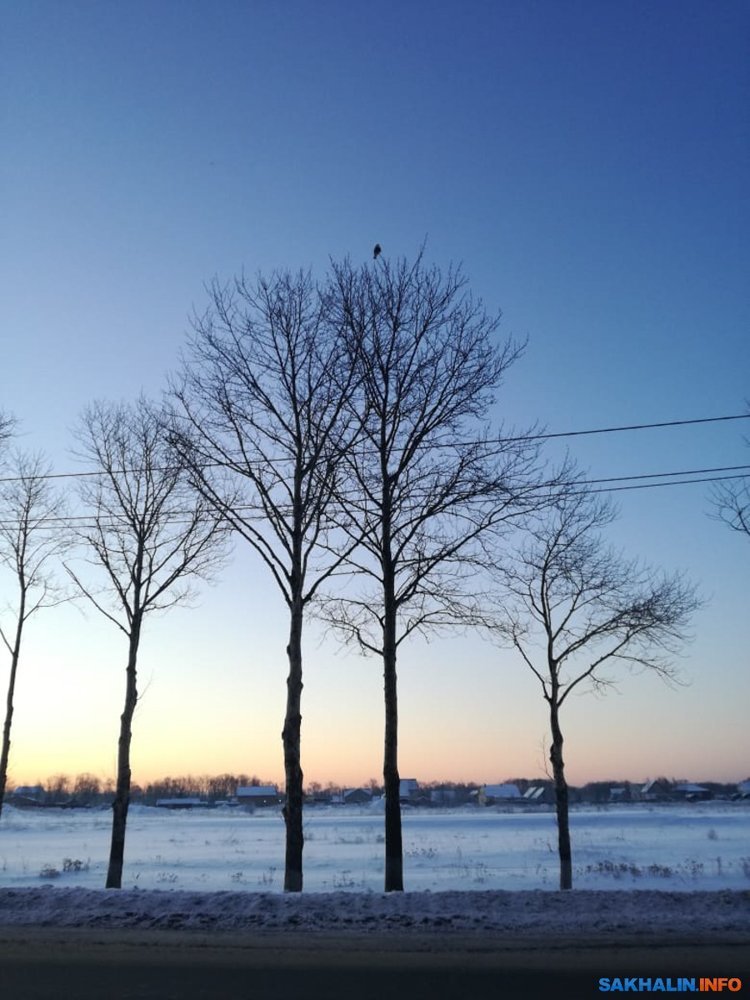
(701, 846)
(222, 870)
(583, 914)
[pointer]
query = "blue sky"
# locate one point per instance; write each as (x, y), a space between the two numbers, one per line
(588, 164)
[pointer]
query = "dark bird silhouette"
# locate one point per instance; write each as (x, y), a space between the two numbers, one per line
(377, 251)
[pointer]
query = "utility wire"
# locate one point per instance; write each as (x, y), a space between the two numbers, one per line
(454, 444)
(627, 427)
(602, 486)
(673, 482)
(664, 475)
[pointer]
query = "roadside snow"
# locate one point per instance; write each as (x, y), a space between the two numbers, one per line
(588, 914)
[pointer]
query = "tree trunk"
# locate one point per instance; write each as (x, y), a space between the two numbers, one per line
(122, 789)
(6, 733)
(394, 859)
(394, 856)
(561, 797)
(15, 657)
(5, 753)
(291, 737)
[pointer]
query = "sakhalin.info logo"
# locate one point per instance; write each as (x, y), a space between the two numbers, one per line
(704, 984)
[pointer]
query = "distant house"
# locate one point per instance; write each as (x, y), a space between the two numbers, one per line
(691, 793)
(252, 796)
(534, 793)
(27, 795)
(180, 803)
(539, 794)
(494, 794)
(356, 796)
(743, 789)
(658, 790)
(408, 789)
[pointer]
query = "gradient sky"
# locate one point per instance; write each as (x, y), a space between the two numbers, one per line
(588, 162)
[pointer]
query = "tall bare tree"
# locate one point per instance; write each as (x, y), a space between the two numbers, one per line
(33, 536)
(576, 607)
(261, 417)
(150, 537)
(423, 483)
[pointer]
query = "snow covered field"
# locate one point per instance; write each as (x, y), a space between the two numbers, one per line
(222, 870)
(701, 846)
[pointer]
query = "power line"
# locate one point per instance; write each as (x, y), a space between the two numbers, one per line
(458, 444)
(672, 482)
(626, 427)
(603, 486)
(665, 475)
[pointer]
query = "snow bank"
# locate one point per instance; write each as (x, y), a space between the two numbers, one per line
(668, 915)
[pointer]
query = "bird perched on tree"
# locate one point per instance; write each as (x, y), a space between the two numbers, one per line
(377, 251)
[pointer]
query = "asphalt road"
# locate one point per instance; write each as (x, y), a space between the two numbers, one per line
(50, 964)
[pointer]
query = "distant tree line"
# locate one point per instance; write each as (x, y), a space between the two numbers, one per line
(88, 790)
(347, 430)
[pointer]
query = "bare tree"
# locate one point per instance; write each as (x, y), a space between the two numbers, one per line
(150, 536)
(7, 424)
(32, 537)
(57, 789)
(423, 483)
(576, 607)
(86, 789)
(731, 502)
(261, 418)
